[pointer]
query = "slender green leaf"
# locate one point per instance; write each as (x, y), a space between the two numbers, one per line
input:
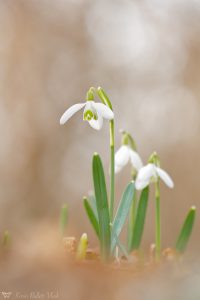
(186, 230)
(122, 213)
(102, 206)
(131, 221)
(140, 220)
(122, 248)
(63, 219)
(92, 201)
(91, 216)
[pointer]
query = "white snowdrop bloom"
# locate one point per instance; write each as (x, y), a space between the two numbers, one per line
(151, 173)
(93, 112)
(124, 155)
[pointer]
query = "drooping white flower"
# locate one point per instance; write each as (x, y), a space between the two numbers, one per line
(124, 155)
(151, 173)
(93, 112)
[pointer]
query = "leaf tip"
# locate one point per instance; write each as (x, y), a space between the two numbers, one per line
(193, 208)
(84, 236)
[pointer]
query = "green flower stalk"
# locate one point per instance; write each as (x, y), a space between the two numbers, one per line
(128, 153)
(104, 98)
(158, 223)
(152, 173)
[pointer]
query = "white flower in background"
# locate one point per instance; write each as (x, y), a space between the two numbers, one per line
(124, 155)
(151, 173)
(93, 112)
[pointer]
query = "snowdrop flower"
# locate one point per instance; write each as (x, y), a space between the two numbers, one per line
(93, 112)
(151, 173)
(126, 154)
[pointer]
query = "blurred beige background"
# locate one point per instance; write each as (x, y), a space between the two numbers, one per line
(146, 54)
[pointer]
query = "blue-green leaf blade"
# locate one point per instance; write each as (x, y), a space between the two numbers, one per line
(131, 221)
(122, 213)
(186, 230)
(102, 206)
(91, 216)
(140, 219)
(122, 248)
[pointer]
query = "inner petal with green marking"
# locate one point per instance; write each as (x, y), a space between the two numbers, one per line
(89, 115)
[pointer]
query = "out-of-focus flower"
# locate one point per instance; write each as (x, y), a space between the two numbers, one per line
(124, 155)
(93, 112)
(151, 173)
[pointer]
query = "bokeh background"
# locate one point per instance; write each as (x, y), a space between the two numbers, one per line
(145, 54)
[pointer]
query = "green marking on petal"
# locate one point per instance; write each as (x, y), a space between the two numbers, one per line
(88, 115)
(95, 117)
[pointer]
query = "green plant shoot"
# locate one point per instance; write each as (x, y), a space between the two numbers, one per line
(186, 230)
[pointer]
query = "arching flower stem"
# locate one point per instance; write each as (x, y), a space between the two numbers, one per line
(158, 223)
(112, 167)
(107, 102)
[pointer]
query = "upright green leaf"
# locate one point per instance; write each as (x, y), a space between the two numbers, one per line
(131, 220)
(122, 248)
(139, 220)
(102, 207)
(92, 201)
(186, 230)
(63, 219)
(91, 216)
(122, 213)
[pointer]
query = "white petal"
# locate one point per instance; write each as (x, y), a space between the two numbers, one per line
(135, 160)
(88, 106)
(96, 124)
(144, 176)
(104, 110)
(140, 185)
(118, 168)
(121, 158)
(70, 112)
(165, 177)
